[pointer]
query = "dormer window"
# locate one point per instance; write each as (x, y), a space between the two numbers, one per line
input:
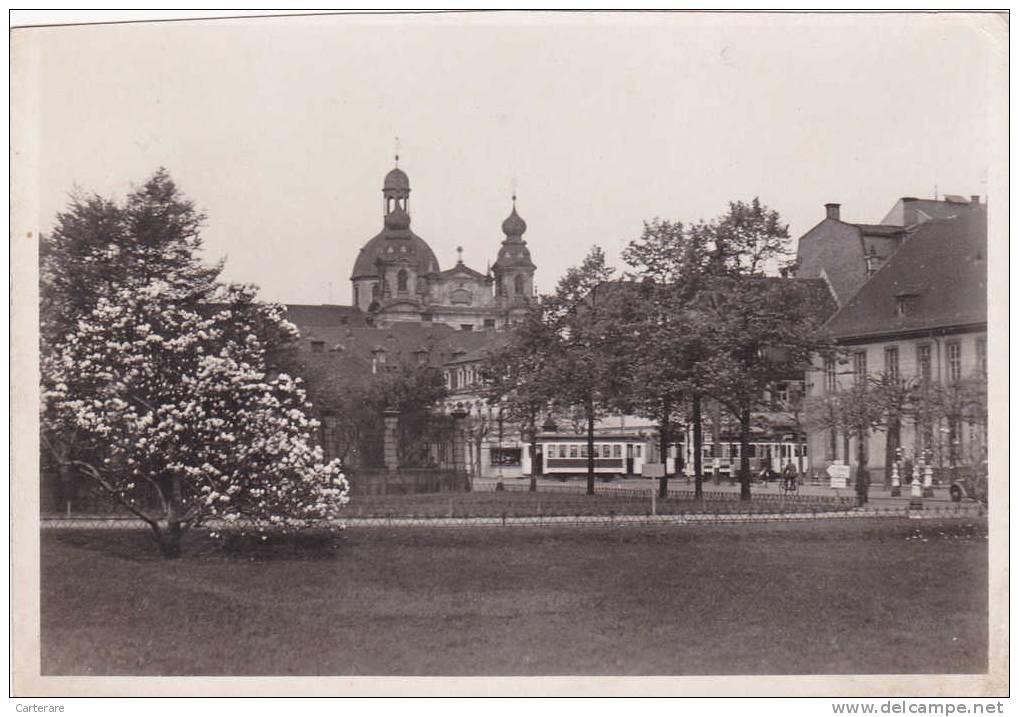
(905, 300)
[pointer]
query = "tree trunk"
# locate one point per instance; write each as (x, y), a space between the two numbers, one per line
(698, 438)
(169, 539)
(862, 474)
(891, 443)
(590, 449)
(664, 436)
(716, 439)
(67, 493)
(744, 458)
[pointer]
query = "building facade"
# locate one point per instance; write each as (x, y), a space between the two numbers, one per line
(919, 324)
(396, 277)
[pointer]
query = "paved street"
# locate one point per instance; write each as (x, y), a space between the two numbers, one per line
(879, 496)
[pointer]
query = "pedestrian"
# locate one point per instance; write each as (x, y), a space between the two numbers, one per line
(790, 476)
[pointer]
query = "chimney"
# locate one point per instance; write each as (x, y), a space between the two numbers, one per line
(832, 211)
(974, 200)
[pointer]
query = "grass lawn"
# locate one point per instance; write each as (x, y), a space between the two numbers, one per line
(862, 596)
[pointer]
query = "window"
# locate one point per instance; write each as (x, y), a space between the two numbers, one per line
(562, 451)
(954, 351)
(318, 346)
(860, 366)
(923, 362)
(982, 355)
(505, 456)
(357, 296)
(606, 451)
(617, 451)
(518, 284)
(583, 451)
(401, 280)
(892, 363)
(467, 327)
(489, 323)
(829, 375)
(573, 451)
(636, 451)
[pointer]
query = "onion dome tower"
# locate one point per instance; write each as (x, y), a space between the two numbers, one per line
(392, 266)
(513, 269)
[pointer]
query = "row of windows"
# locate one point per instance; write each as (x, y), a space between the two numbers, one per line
(575, 450)
(953, 363)
(401, 286)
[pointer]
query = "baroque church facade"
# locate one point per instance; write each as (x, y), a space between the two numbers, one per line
(396, 277)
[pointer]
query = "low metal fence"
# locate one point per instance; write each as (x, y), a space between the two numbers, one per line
(577, 514)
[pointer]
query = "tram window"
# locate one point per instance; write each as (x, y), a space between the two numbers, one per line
(562, 451)
(583, 451)
(617, 451)
(636, 450)
(606, 451)
(573, 451)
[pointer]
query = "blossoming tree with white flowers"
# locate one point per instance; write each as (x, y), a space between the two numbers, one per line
(163, 388)
(183, 409)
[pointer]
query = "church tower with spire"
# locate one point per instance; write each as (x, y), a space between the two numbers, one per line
(513, 269)
(396, 277)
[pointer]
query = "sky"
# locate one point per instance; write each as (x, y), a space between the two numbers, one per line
(282, 129)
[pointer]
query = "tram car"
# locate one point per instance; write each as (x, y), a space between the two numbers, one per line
(627, 455)
(561, 454)
(774, 453)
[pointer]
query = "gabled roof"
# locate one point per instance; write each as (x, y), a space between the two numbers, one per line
(941, 271)
(912, 210)
(348, 350)
(881, 230)
(460, 268)
(324, 315)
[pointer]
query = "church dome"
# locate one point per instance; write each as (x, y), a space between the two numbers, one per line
(514, 226)
(391, 244)
(396, 180)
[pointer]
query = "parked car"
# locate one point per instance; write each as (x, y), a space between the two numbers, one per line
(969, 483)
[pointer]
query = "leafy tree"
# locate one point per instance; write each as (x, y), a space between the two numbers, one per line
(747, 240)
(517, 375)
(562, 355)
(353, 405)
(755, 331)
(671, 261)
(95, 247)
(892, 395)
(183, 419)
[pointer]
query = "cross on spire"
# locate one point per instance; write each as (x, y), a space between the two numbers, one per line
(514, 190)
(397, 152)
(459, 255)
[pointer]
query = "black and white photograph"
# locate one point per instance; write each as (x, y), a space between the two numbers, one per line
(510, 353)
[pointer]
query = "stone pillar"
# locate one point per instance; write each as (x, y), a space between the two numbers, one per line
(460, 445)
(391, 418)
